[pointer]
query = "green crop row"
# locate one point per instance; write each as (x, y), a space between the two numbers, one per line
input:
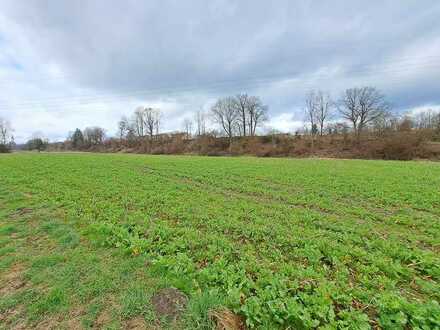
(284, 243)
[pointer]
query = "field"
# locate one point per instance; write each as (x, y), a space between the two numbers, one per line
(89, 240)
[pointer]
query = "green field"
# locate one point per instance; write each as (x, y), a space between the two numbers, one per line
(87, 240)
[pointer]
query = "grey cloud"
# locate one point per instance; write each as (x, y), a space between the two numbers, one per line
(211, 48)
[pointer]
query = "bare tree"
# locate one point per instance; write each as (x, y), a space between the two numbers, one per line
(225, 114)
(318, 108)
(241, 102)
(93, 136)
(5, 132)
(362, 106)
(426, 119)
(158, 120)
(251, 113)
(123, 127)
(138, 121)
(256, 113)
(386, 122)
(188, 127)
(323, 105)
(200, 118)
(437, 123)
(146, 121)
(151, 121)
(311, 110)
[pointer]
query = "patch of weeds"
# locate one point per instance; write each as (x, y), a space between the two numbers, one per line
(5, 241)
(93, 310)
(135, 301)
(13, 301)
(49, 227)
(45, 268)
(54, 301)
(44, 262)
(8, 229)
(7, 261)
(69, 240)
(95, 281)
(199, 306)
(6, 250)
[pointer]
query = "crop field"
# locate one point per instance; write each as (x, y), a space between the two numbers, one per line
(89, 240)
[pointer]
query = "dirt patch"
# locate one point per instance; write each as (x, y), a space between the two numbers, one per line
(224, 319)
(74, 324)
(103, 319)
(20, 326)
(7, 317)
(13, 280)
(48, 323)
(24, 210)
(169, 303)
(74, 319)
(137, 323)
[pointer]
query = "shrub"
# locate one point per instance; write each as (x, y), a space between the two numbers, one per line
(401, 147)
(4, 149)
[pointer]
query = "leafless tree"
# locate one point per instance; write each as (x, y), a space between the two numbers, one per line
(251, 113)
(256, 113)
(324, 106)
(405, 124)
(188, 127)
(5, 131)
(225, 114)
(151, 121)
(146, 121)
(318, 109)
(158, 120)
(93, 135)
(426, 119)
(138, 121)
(311, 110)
(123, 127)
(200, 118)
(385, 123)
(362, 106)
(437, 123)
(241, 103)
(338, 128)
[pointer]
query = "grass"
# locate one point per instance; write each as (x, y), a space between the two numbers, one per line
(88, 239)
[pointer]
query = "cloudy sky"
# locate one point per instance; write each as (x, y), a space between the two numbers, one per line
(67, 64)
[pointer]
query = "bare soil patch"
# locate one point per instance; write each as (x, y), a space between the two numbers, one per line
(13, 280)
(24, 210)
(169, 303)
(137, 323)
(7, 317)
(103, 319)
(227, 320)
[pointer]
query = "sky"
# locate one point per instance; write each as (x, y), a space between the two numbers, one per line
(68, 64)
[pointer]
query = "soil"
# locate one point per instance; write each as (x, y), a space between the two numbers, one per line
(169, 303)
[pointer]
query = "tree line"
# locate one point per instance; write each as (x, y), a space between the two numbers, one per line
(6, 137)
(235, 125)
(360, 123)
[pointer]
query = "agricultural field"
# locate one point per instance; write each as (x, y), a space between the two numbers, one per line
(98, 241)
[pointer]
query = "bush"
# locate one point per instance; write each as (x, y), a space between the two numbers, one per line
(402, 147)
(4, 149)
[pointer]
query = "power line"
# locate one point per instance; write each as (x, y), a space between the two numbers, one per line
(205, 87)
(238, 58)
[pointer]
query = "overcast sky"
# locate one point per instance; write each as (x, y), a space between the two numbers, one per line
(68, 64)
